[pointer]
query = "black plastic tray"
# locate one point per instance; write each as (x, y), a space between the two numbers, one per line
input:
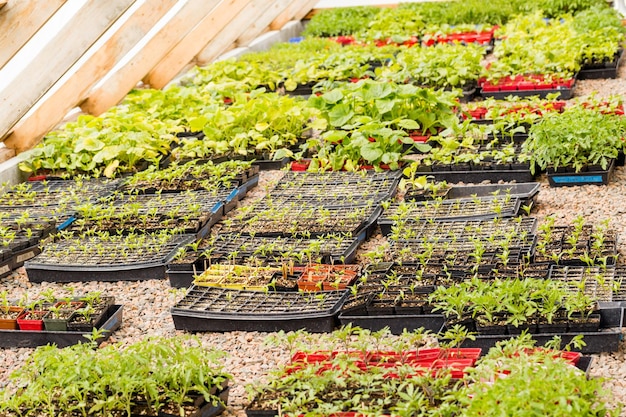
(6, 267)
(28, 339)
(386, 221)
(196, 320)
(269, 165)
(565, 93)
(137, 272)
(603, 341)
(505, 175)
(40, 272)
(24, 255)
(524, 191)
(564, 179)
(608, 70)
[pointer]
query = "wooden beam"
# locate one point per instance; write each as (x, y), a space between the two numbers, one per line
(61, 53)
(261, 22)
(226, 38)
(6, 153)
(20, 21)
(62, 98)
(118, 84)
(179, 57)
(295, 11)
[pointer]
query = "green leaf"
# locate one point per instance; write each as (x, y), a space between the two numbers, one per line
(408, 124)
(371, 152)
(340, 115)
(88, 143)
(196, 124)
(290, 85)
(384, 106)
(332, 96)
(107, 154)
(261, 126)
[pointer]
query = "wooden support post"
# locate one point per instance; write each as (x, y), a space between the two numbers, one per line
(63, 50)
(20, 20)
(261, 22)
(295, 11)
(118, 84)
(54, 106)
(179, 57)
(227, 37)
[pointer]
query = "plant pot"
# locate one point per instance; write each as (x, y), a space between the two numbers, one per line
(10, 322)
(31, 320)
(55, 325)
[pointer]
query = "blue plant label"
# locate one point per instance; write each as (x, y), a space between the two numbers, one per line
(570, 179)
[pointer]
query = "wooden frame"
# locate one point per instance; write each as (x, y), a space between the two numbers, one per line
(167, 34)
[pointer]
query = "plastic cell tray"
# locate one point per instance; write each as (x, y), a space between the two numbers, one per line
(111, 268)
(221, 310)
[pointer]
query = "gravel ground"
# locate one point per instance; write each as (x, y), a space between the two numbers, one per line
(147, 304)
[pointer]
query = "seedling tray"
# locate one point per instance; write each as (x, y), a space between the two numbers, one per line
(271, 165)
(292, 219)
(30, 339)
(269, 249)
(593, 176)
(558, 247)
(596, 281)
(24, 255)
(6, 267)
(607, 339)
(337, 188)
(149, 213)
(598, 342)
(604, 70)
(192, 179)
(479, 208)
(565, 93)
(491, 231)
(50, 194)
(526, 192)
(81, 265)
(222, 310)
(495, 175)
(396, 323)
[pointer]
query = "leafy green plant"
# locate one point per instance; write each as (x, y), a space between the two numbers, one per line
(117, 141)
(110, 380)
(258, 124)
(440, 66)
(575, 138)
(601, 32)
(534, 380)
(531, 45)
(340, 21)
